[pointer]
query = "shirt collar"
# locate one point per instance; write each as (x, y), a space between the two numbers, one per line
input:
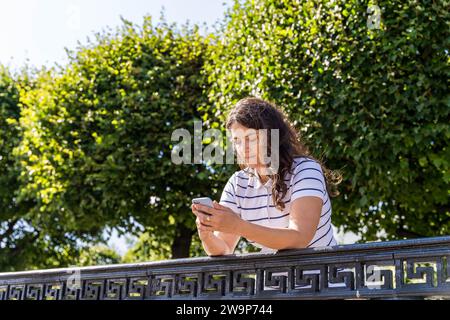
(255, 182)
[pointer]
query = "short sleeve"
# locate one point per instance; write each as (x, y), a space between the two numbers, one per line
(228, 198)
(307, 180)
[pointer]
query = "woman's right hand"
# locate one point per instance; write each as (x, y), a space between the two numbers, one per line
(204, 231)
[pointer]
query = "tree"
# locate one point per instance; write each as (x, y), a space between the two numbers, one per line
(23, 244)
(98, 255)
(373, 102)
(97, 136)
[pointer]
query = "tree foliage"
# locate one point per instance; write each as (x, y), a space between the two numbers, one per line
(96, 147)
(86, 148)
(373, 102)
(22, 245)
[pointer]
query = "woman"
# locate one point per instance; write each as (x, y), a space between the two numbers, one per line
(287, 209)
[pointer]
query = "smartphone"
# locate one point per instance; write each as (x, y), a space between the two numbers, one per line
(204, 201)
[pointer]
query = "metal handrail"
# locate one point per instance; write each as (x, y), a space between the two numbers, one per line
(393, 269)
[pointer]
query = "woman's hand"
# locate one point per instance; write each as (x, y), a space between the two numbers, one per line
(219, 218)
(204, 231)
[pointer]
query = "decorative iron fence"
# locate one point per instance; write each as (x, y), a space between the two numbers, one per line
(396, 269)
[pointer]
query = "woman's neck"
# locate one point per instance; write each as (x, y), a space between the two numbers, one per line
(263, 178)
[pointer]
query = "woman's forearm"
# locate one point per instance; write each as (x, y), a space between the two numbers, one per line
(214, 246)
(272, 237)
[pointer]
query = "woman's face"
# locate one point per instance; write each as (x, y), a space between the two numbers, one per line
(246, 143)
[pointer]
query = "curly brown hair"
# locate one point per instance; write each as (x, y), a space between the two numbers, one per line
(256, 113)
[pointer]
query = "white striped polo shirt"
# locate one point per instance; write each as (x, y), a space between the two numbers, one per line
(252, 201)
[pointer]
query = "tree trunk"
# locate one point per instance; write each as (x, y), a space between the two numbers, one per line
(401, 231)
(182, 242)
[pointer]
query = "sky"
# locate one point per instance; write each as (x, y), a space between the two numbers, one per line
(37, 31)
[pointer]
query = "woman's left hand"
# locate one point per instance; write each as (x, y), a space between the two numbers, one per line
(221, 218)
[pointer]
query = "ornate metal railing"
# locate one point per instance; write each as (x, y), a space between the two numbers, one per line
(396, 269)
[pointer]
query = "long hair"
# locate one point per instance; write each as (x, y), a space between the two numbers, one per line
(256, 113)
